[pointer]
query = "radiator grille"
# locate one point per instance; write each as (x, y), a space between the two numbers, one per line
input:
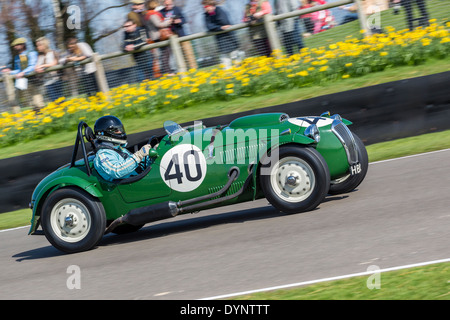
(343, 133)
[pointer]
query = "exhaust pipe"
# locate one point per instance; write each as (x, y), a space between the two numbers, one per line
(169, 209)
(141, 216)
(198, 206)
(233, 175)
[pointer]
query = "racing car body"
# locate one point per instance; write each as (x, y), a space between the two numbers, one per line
(293, 162)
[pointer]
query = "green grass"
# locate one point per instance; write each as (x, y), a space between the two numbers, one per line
(409, 146)
(15, 219)
(437, 9)
(420, 283)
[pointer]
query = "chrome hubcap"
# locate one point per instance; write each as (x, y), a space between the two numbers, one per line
(292, 179)
(70, 220)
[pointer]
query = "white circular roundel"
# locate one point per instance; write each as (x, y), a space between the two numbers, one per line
(307, 121)
(183, 168)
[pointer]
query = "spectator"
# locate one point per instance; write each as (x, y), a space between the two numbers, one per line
(254, 13)
(423, 20)
(172, 12)
(48, 58)
(23, 65)
(396, 4)
(216, 19)
(351, 15)
(156, 22)
(24, 60)
(137, 14)
(323, 19)
(289, 27)
(369, 7)
(134, 39)
(76, 53)
(307, 18)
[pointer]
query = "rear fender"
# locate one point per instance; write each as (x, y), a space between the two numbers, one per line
(61, 182)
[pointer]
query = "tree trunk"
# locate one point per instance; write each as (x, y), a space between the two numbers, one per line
(59, 24)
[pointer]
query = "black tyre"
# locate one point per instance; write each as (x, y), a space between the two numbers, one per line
(73, 220)
(298, 181)
(350, 183)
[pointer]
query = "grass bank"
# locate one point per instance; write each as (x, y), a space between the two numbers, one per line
(420, 283)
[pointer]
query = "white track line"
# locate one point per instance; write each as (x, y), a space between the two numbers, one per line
(14, 228)
(298, 284)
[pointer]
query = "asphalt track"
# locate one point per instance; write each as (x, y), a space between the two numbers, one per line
(400, 215)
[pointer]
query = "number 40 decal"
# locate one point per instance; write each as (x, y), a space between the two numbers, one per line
(175, 163)
(183, 168)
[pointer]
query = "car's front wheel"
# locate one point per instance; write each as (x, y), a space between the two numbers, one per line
(73, 220)
(298, 181)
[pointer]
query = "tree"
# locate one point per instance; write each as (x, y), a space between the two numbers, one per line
(32, 11)
(58, 8)
(89, 25)
(7, 20)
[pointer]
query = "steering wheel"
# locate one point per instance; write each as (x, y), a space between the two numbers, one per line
(153, 141)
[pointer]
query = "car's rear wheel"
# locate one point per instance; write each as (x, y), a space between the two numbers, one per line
(298, 181)
(73, 220)
(349, 183)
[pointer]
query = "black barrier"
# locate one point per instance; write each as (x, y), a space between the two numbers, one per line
(383, 112)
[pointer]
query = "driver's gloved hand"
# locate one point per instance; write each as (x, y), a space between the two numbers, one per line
(143, 152)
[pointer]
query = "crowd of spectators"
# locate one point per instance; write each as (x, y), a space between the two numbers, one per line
(151, 21)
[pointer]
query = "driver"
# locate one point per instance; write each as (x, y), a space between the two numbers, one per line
(112, 160)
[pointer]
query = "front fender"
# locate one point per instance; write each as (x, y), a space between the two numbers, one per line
(265, 158)
(44, 189)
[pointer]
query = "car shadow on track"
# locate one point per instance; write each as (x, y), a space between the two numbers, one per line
(173, 226)
(191, 222)
(38, 253)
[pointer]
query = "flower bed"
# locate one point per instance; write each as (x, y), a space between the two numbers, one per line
(257, 75)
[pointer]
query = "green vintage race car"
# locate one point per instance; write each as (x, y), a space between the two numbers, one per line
(292, 162)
